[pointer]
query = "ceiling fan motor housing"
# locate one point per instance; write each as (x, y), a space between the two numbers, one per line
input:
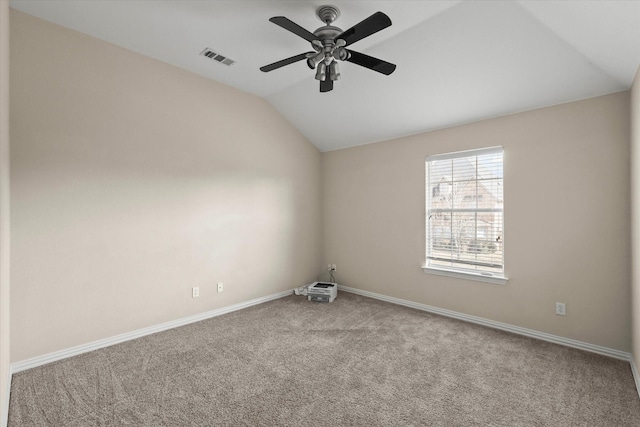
(326, 35)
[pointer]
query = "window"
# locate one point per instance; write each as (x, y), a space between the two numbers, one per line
(465, 215)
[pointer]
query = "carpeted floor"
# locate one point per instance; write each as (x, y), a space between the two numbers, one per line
(354, 362)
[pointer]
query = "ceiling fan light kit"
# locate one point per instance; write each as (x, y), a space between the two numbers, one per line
(329, 44)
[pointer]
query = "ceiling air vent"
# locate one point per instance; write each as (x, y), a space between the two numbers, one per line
(211, 54)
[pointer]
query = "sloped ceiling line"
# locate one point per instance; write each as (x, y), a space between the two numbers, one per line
(458, 61)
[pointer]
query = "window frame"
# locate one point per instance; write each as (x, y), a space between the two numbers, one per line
(453, 271)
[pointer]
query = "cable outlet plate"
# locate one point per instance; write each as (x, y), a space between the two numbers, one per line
(220, 286)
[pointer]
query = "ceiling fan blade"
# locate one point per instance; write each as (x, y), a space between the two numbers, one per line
(296, 29)
(370, 62)
(376, 22)
(284, 62)
(326, 85)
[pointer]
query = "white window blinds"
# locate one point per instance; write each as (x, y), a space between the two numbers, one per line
(465, 211)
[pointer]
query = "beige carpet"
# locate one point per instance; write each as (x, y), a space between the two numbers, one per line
(353, 362)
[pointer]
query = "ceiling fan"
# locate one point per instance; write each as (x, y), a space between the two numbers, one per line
(329, 44)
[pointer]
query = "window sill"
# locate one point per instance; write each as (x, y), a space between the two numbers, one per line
(497, 280)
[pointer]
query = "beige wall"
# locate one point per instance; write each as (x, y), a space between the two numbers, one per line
(635, 216)
(567, 220)
(4, 209)
(133, 181)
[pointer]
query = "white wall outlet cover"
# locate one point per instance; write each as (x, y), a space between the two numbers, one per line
(195, 292)
(220, 286)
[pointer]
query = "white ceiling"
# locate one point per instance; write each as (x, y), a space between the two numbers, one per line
(458, 61)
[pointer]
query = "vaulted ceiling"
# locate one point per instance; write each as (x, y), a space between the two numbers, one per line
(457, 61)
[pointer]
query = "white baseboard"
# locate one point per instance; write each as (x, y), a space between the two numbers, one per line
(636, 376)
(4, 421)
(95, 345)
(617, 354)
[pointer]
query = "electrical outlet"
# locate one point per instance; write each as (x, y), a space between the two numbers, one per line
(333, 267)
(329, 267)
(195, 292)
(561, 309)
(220, 286)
